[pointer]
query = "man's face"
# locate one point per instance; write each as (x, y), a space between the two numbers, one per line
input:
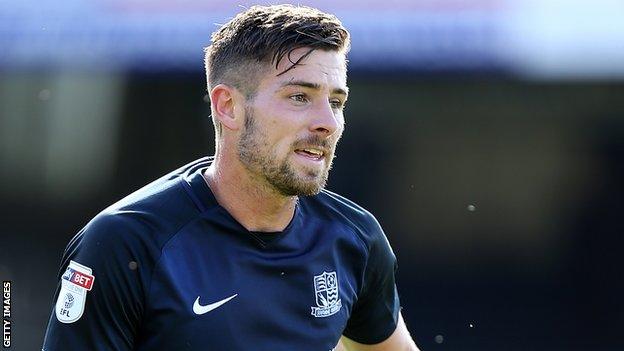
(294, 121)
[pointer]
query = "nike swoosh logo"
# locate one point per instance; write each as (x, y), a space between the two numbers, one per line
(199, 309)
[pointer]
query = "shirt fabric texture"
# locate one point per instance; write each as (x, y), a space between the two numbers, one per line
(170, 245)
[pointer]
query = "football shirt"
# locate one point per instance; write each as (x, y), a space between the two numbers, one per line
(168, 268)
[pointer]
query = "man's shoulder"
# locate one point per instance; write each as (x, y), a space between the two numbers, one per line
(339, 203)
(163, 194)
(155, 212)
(339, 208)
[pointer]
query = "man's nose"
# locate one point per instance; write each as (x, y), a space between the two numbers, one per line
(326, 120)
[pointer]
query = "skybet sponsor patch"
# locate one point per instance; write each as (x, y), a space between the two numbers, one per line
(75, 283)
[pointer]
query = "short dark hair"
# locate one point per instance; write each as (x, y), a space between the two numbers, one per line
(262, 35)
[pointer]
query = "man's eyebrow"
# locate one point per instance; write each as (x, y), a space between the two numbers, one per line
(310, 85)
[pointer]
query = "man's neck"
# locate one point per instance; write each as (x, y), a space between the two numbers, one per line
(252, 202)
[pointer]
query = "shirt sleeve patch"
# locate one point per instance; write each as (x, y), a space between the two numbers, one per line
(75, 283)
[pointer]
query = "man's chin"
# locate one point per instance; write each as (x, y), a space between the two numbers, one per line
(299, 180)
(301, 187)
(310, 191)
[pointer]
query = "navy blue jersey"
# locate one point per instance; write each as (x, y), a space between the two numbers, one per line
(167, 268)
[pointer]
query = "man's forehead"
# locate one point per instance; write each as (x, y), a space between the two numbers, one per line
(319, 68)
(324, 60)
(335, 87)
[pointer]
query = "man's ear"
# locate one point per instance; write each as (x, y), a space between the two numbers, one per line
(226, 104)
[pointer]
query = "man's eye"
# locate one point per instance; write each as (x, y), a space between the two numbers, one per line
(301, 98)
(336, 103)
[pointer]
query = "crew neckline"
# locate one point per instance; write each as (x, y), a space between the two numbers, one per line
(208, 204)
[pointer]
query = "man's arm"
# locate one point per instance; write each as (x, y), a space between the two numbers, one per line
(107, 316)
(400, 340)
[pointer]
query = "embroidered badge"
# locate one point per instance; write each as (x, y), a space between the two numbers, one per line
(327, 295)
(75, 283)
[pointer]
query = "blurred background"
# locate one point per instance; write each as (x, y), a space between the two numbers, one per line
(487, 136)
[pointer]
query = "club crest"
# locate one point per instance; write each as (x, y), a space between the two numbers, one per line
(327, 295)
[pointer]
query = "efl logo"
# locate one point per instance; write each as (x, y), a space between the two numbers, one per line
(81, 279)
(75, 284)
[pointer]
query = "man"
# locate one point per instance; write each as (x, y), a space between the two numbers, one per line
(243, 251)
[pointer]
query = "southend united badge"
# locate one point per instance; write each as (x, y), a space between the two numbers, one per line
(75, 283)
(327, 295)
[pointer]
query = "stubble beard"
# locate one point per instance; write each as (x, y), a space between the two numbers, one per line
(256, 154)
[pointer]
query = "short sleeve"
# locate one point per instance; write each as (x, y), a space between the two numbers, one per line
(99, 299)
(375, 314)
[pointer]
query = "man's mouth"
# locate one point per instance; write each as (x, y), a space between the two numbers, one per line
(311, 153)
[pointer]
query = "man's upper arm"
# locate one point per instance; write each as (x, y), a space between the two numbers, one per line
(375, 312)
(375, 322)
(105, 314)
(400, 340)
